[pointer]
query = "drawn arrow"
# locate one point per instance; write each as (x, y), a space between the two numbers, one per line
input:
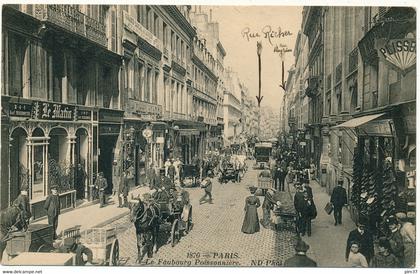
(259, 97)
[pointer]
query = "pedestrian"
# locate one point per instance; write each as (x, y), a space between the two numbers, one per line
(52, 206)
(356, 259)
(123, 190)
(251, 221)
(167, 165)
(22, 202)
(396, 239)
(364, 238)
(307, 188)
(276, 175)
(151, 177)
(408, 233)
(384, 258)
(338, 200)
(300, 259)
(267, 206)
(172, 172)
(101, 184)
(207, 185)
(80, 181)
(178, 167)
(308, 212)
(299, 203)
(283, 172)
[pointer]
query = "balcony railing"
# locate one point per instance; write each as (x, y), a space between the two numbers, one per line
(353, 60)
(69, 18)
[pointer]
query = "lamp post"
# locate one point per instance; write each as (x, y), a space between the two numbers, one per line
(259, 97)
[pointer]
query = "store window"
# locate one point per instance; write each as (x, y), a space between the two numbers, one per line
(39, 71)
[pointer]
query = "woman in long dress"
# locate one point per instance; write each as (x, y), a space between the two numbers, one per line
(251, 221)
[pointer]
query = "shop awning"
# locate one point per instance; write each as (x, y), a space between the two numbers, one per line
(356, 122)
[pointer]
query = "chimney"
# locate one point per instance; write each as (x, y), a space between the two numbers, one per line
(211, 15)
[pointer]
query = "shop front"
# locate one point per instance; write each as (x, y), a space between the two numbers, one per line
(49, 144)
(382, 182)
(109, 153)
(188, 140)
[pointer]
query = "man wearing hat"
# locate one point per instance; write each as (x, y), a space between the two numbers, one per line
(362, 236)
(101, 184)
(300, 205)
(395, 239)
(338, 199)
(300, 259)
(22, 202)
(52, 206)
(207, 185)
(408, 233)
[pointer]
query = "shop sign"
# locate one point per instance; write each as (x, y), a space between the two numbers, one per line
(109, 129)
(302, 144)
(20, 110)
(132, 25)
(400, 53)
(54, 111)
(145, 108)
(84, 114)
(110, 116)
(377, 128)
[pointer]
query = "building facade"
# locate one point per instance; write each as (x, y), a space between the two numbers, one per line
(61, 100)
(361, 99)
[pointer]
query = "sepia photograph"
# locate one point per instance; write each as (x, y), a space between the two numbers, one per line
(240, 136)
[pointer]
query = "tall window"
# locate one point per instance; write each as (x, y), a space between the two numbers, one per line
(148, 16)
(113, 32)
(57, 74)
(148, 88)
(16, 56)
(156, 25)
(165, 35)
(172, 41)
(155, 87)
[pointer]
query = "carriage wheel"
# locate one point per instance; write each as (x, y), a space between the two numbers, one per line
(114, 256)
(174, 233)
(44, 248)
(189, 220)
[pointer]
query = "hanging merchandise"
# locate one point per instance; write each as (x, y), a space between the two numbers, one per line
(357, 176)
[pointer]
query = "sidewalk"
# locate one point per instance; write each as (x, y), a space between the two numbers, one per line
(92, 215)
(328, 242)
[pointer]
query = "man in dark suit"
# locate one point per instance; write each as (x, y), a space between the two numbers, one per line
(307, 188)
(362, 236)
(123, 190)
(22, 202)
(101, 184)
(338, 199)
(299, 203)
(52, 206)
(300, 259)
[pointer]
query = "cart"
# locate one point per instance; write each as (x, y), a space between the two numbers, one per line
(37, 258)
(229, 173)
(190, 175)
(284, 216)
(262, 155)
(38, 238)
(104, 245)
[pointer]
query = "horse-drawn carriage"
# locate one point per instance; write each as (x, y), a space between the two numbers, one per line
(158, 211)
(190, 176)
(229, 172)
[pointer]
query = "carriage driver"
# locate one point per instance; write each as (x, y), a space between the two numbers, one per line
(22, 202)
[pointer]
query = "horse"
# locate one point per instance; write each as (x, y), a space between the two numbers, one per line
(11, 219)
(146, 223)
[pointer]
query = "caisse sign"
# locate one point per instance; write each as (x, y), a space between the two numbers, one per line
(400, 53)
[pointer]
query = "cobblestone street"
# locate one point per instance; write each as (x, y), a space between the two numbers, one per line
(216, 236)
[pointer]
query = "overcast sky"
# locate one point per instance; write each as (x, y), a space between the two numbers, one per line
(239, 26)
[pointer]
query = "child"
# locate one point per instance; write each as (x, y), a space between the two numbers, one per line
(356, 259)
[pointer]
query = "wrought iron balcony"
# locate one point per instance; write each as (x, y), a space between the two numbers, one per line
(71, 19)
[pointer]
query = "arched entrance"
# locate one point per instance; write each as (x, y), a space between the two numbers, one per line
(18, 162)
(81, 160)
